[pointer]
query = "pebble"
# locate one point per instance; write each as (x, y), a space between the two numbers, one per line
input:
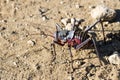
(12, 44)
(3, 21)
(102, 11)
(76, 64)
(114, 58)
(61, 2)
(31, 42)
(77, 6)
(2, 28)
(44, 18)
(14, 63)
(43, 10)
(91, 7)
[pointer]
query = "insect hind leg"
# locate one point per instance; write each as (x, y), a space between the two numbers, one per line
(103, 31)
(95, 45)
(53, 52)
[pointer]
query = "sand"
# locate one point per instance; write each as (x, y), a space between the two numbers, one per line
(24, 56)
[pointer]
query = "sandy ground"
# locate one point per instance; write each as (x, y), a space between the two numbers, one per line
(24, 56)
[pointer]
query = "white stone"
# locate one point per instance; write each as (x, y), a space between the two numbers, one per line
(91, 7)
(14, 63)
(61, 2)
(114, 59)
(77, 6)
(44, 18)
(31, 42)
(103, 12)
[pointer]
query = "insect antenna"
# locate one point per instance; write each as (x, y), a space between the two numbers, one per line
(44, 34)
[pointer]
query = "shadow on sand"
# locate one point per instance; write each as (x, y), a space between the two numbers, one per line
(117, 18)
(110, 46)
(113, 42)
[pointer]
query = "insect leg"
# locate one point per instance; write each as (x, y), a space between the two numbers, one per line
(71, 61)
(90, 27)
(58, 27)
(69, 48)
(103, 31)
(95, 45)
(53, 52)
(82, 44)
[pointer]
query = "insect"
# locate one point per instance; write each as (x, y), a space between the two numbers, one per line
(76, 38)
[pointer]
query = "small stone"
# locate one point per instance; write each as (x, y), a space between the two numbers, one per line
(12, 45)
(61, 2)
(64, 21)
(91, 7)
(44, 18)
(2, 28)
(76, 64)
(77, 6)
(15, 64)
(107, 23)
(43, 10)
(103, 12)
(114, 58)
(103, 1)
(4, 21)
(31, 42)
